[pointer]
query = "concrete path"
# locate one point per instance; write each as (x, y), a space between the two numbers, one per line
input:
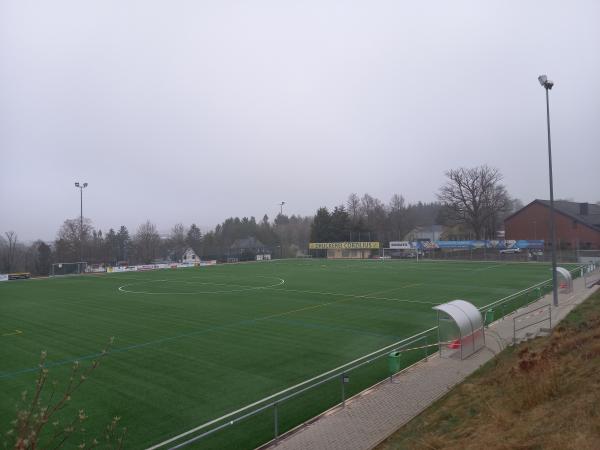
(373, 415)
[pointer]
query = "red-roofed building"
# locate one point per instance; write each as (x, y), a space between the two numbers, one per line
(577, 224)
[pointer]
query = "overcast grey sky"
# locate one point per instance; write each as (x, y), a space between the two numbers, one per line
(190, 111)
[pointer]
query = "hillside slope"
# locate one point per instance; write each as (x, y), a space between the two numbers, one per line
(543, 394)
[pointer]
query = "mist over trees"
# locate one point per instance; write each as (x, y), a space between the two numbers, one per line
(15, 256)
(367, 218)
(472, 203)
(146, 243)
(285, 236)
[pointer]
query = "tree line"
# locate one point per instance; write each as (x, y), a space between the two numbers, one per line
(471, 204)
(78, 239)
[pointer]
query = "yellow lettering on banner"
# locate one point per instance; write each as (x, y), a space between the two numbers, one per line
(343, 245)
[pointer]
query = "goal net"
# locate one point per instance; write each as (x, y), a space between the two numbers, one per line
(72, 268)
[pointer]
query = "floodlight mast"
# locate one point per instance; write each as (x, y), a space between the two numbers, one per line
(547, 85)
(281, 208)
(81, 187)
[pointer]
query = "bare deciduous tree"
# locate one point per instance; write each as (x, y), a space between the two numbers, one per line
(146, 242)
(397, 222)
(177, 241)
(69, 237)
(353, 207)
(11, 245)
(475, 197)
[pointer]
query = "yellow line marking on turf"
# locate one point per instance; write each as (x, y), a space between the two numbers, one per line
(396, 288)
(15, 333)
(306, 308)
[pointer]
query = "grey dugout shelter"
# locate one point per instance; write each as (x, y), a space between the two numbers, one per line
(460, 327)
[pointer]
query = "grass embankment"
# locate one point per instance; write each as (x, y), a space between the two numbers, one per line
(542, 394)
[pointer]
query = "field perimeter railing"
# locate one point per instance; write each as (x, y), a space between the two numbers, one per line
(500, 308)
(591, 274)
(265, 420)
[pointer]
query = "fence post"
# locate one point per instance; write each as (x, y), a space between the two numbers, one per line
(276, 421)
(514, 330)
(343, 391)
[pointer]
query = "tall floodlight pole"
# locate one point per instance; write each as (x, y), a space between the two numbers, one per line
(281, 214)
(81, 187)
(547, 85)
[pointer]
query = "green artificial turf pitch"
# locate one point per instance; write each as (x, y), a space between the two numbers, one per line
(194, 344)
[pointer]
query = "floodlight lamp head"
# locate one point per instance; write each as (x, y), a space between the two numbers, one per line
(85, 185)
(77, 184)
(545, 82)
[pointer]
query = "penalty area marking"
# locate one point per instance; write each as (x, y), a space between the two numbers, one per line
(241, 287)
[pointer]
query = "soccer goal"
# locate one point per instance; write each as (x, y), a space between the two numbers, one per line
(72, 268)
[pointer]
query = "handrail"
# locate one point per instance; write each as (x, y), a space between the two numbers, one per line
(336, 370)
(292, 391)
(529, 289)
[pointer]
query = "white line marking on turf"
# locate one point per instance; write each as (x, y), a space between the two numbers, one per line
(363, 297)
(246, 288)
(277, 394)
(270, 397)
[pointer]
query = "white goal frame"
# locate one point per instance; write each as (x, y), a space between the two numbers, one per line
(77, 268)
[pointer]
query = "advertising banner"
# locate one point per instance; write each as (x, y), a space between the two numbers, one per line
(122, 269)
(491, 244)
(3, 277)
(537, 244)
(400, 245)
(185, 264)
(343, 245)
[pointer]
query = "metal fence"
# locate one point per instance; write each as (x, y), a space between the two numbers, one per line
(591, 274)
(267, 419)
(564, 256)
(264, 421)
(507, 305)
(534, 313)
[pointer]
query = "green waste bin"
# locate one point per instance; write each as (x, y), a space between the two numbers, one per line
(394, 362)
(489, 316)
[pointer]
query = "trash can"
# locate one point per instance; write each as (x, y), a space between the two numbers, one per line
(394, 362)
(489, 316)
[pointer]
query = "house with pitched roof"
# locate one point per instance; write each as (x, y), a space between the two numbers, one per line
(577, 224)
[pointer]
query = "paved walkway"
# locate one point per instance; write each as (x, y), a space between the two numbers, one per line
(372, 416)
